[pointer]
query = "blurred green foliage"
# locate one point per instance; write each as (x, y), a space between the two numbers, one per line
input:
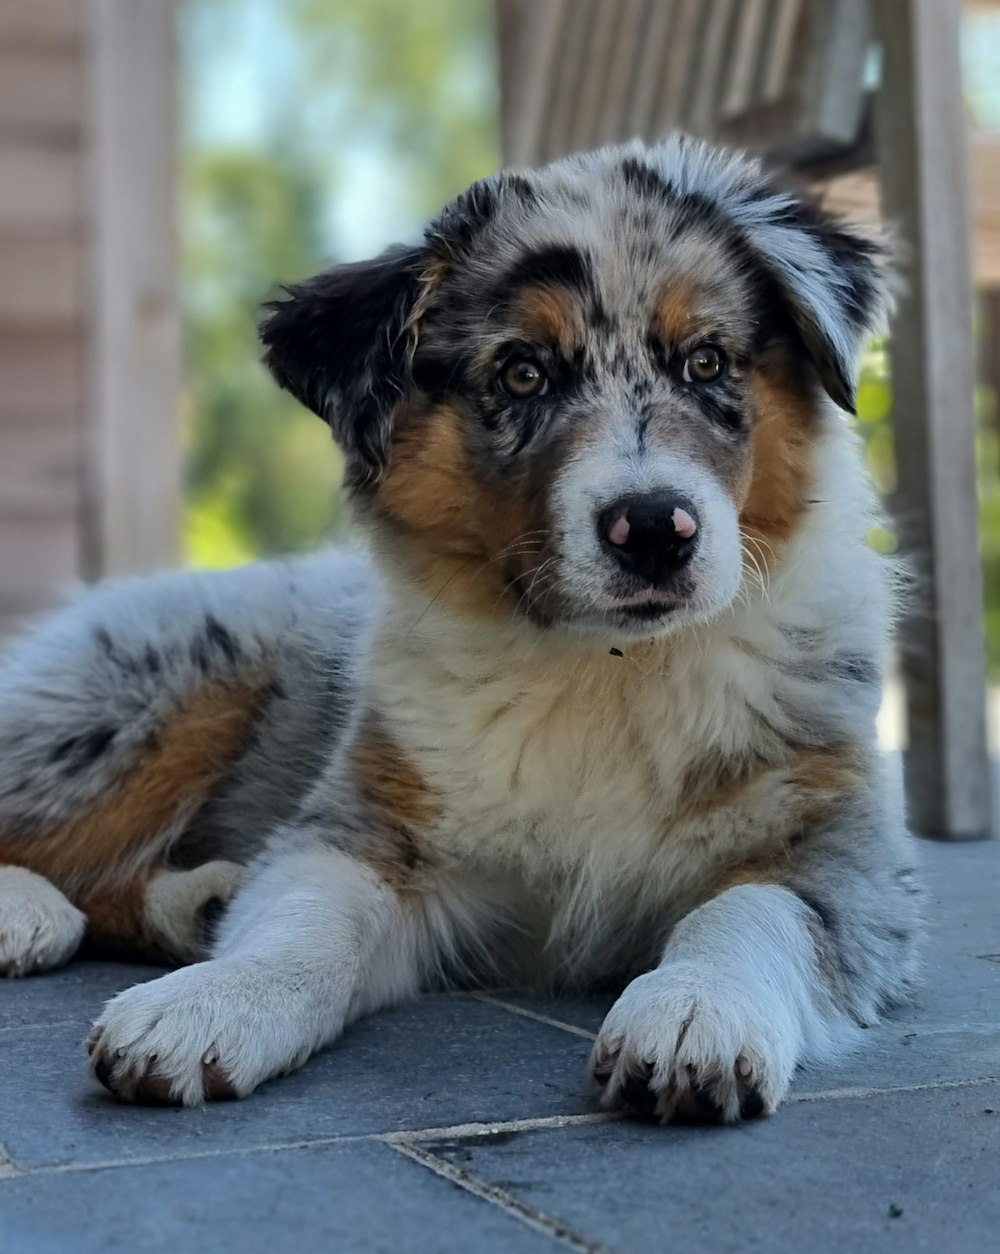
(384, 110)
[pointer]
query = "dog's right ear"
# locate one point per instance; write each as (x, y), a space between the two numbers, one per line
(339, 344)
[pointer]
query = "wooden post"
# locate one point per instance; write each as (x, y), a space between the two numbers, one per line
(922, 150)
(133, 471)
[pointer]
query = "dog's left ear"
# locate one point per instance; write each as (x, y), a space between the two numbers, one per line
(837, 284)
(339, 343)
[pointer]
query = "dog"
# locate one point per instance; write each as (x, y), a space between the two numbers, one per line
(596, 705)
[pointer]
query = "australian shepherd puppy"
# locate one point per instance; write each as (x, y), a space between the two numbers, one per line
(597, 705)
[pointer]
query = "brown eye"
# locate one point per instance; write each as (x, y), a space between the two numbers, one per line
(522, 377)
(703, 364)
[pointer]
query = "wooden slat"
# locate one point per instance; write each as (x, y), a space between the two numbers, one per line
(133, 469)
(837, 100)
(679, 66)
(622, 71)
(720, 25)
(40, 91)
(599, 50)
(40, 188)
(41, 23)
(39, 455)
(650, 72)
(40, 373)
(573, 39)
(781, 44)
(530, 54)
(38, 555)
(749, 47)
(924, 171)
(40, 281)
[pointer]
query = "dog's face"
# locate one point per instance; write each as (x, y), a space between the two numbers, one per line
(590, 396)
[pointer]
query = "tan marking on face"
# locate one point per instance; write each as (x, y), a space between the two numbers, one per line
(676, 312)
(399, 800)
(782, 470)
(436, 508)
(131, 825)
(466, 540)
(549, 316)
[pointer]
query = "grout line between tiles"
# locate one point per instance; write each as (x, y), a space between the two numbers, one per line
(853, 1094)
(525, 1013)
(10, 1169)
(493, 1195)
(45, 1027)
(540, 1123)
(453, 1131)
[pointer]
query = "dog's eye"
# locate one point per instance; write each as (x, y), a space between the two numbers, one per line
(523, 377)
(704, 364)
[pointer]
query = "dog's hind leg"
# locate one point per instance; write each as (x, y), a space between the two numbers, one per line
(120, 722)
(165, 913)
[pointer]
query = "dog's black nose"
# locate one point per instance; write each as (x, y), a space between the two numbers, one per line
(651, 536)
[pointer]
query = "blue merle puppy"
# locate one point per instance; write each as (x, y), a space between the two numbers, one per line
(596, 705)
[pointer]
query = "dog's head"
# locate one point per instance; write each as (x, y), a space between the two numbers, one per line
(592, 386)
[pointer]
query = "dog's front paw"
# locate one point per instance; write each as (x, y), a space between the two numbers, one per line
(39, 927)
(215, 1030)
(689, 1042)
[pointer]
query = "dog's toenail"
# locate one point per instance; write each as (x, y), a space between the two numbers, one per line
(637, 1093)
(102, 1070)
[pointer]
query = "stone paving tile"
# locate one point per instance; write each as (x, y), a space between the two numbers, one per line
(583, 1012)
(74, 994)
(438, 1062)
(820, 1176)
(346, 1197)
(903, 1057)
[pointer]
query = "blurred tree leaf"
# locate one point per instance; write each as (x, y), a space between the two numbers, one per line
(406, 92)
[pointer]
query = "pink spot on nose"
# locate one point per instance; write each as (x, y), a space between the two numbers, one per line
(618, 531)
(684, 524)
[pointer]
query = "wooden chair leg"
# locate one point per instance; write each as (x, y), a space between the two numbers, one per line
(922, 156)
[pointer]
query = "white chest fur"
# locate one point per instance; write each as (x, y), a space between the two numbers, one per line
(568, 767)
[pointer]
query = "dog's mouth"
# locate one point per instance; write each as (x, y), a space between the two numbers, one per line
(647, 602)
(623, 605)
(647, 610)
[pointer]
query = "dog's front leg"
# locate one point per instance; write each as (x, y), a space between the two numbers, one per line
(757, 980)
(313, 941)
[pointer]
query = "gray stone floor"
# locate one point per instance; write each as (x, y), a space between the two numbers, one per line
(463, 1124)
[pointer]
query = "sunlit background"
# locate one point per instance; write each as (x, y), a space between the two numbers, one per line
(312, 132)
